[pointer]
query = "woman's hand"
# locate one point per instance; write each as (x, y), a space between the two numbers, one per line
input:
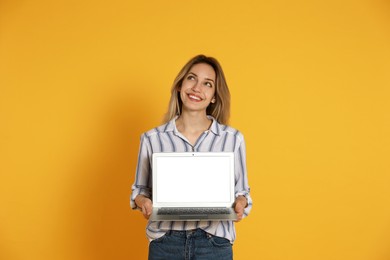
(239, 206)
(145, 204)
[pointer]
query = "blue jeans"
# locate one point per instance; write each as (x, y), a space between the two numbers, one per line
(190, 245)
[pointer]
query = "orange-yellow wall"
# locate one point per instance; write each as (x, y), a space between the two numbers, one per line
(81, 80)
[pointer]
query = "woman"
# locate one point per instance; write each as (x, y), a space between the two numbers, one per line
(196, 121)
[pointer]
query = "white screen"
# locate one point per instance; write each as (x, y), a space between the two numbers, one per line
(193, 179)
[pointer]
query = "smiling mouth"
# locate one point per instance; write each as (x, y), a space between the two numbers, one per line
(195, 98)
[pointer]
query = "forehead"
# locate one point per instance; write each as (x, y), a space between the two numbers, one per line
(203, 70)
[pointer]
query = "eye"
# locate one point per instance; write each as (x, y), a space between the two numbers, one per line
(190, 77)
(208, 84)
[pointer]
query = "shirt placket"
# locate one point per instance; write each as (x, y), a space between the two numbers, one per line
(197, 143)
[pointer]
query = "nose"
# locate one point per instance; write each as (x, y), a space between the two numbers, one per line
(196, 86)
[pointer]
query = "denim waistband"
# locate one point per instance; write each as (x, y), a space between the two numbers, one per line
(189, 233)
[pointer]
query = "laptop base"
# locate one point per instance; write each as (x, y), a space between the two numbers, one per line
(190, 217)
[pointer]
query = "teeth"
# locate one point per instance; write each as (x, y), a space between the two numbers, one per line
(194, 97)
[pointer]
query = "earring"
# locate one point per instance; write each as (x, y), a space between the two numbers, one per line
(213, 100)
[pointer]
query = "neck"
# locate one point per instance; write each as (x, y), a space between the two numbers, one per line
(193, 122)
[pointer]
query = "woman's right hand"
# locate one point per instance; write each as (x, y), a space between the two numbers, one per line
(145, 204)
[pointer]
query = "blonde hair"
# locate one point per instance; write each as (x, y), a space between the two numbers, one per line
(220, 109)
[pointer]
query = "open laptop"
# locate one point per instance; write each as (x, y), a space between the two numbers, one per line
(193, 186)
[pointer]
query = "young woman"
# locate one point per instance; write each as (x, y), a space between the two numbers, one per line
(196, 121)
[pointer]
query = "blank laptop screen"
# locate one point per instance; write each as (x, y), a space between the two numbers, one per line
(193, 179)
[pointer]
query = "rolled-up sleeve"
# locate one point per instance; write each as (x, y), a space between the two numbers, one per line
(241, 176)
(142, 182)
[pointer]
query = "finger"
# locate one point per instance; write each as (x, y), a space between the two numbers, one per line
(239, 214)
(238, 209)
(145, 213)
(148, 207)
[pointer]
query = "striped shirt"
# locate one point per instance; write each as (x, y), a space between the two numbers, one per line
(166, 138)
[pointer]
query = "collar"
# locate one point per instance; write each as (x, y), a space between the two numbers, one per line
(215, 127)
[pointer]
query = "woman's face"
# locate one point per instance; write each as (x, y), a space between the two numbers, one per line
(198, 88)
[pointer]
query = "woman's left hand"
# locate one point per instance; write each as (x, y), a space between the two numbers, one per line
(239, 206)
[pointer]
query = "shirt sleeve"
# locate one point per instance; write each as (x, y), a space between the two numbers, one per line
(241, 176)
(142, 183)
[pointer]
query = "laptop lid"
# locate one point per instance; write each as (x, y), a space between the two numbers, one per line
(193, 179)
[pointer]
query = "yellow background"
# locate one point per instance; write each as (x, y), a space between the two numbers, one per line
(81, 80)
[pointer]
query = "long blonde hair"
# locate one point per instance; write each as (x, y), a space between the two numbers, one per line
(220, 110)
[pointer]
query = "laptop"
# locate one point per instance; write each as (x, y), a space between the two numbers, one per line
(193, 186)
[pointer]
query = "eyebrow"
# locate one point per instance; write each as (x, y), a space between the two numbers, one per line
(197, 76)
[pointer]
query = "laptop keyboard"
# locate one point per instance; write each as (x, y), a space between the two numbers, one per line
(192, 211)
